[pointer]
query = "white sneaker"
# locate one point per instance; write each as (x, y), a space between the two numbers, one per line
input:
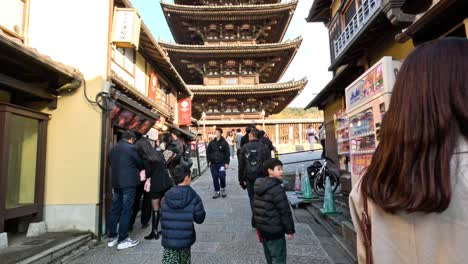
(127, 243)
(112, 242)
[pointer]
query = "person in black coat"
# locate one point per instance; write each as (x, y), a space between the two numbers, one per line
(125, 173)
(262, 137)
(218, 156)
(180, 207)
(272, 215)
(245, 138)
(158, 180)
(251, 159)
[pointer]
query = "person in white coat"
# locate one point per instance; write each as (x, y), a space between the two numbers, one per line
(416, 187)
(311, 136)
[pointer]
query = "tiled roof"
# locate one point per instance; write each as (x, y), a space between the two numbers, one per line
(40, 58)
(232, 47)
(231, 7)
(258, 89)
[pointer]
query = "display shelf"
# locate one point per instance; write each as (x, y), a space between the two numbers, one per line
(342, 128)
(342, 140)
(371, 133)
(363, 152)
(343, 153)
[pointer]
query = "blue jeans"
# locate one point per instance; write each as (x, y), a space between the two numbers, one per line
(219, 177)
(250, 192)
(121, 212)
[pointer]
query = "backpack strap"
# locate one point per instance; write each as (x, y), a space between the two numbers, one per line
(366, 229)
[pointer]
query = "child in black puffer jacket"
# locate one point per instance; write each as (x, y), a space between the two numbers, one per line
(272, 215)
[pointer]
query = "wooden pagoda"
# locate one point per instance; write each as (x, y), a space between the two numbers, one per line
(231, 55)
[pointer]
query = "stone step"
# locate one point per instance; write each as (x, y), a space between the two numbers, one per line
(55, 254)
(339, 226)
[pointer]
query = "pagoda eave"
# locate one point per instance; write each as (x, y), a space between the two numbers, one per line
(195, 19)
(233, 100)
(200, 2)
(234, 48)
(259, 89)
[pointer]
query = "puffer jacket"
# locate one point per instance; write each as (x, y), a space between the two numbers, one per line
(271, 212)
(218, 151)
(180, 207)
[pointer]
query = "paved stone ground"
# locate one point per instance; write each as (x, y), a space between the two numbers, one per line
(225, 237)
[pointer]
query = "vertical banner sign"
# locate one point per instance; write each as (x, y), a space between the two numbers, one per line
(185, 111)
(153, 86)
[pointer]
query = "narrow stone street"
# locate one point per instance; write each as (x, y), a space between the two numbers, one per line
(225, 237)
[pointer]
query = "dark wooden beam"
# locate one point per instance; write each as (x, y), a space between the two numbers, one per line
(28, 88)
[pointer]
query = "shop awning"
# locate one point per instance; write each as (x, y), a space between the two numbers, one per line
(336, 86)
(184, 132)
(24, 70)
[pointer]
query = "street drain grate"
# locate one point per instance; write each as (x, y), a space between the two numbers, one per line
(36, 242)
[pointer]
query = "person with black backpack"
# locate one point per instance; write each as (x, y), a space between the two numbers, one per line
(253, 155)
(218, 156)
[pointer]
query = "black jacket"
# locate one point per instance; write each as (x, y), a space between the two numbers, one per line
(218, 151)
(268, 143)
(180, 207)
(244, 140)
(159, 173)
(265, 154)
(271, 212)
(125, 165)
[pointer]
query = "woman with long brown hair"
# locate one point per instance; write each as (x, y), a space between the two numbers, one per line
(416, 188)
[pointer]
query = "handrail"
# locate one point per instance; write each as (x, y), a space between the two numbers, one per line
(367, 9)
(302, 151)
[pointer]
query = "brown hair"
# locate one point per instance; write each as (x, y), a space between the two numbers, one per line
(410, 170)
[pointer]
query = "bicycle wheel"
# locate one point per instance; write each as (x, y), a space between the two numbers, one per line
(319, 182)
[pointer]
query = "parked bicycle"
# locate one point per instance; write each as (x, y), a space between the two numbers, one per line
(318, 172)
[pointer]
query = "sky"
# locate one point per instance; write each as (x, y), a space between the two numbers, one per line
(311, 61)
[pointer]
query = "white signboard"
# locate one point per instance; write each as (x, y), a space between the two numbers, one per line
(126, 28)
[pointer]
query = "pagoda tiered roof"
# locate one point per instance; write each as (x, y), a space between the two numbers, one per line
(224, 2)
(245, 99)
(270, 60)
(191, 24)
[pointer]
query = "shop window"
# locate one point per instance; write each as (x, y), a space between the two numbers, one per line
(349, 12)
(335, 28)
(231, 81)
(22, 160)
(125, 58)
(13, 17)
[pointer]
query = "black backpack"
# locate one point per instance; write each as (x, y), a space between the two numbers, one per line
(186, 160)
(254, 164)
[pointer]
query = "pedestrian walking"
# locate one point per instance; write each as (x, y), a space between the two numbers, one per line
(158, 182)
(262, 136)
(218, 160)
(311, 136)
(238, 140)
(272, 214)
(323, 138)
(180, 207)
(253, 155)
(125, 172)
(413, 196)
(230, 141)
(245, 138)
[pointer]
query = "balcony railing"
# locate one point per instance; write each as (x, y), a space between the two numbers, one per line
(365, 12)
(166, 108)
